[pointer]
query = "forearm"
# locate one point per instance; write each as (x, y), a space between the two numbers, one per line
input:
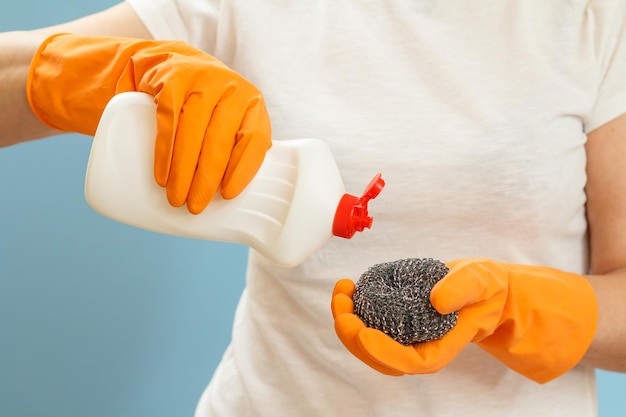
(17, 121)
(608, 349)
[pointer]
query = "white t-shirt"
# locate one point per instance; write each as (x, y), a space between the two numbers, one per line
(476, 113)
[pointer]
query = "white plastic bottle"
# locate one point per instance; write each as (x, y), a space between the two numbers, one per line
(292, 207)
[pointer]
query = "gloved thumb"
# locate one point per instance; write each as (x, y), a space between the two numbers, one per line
(469, 281)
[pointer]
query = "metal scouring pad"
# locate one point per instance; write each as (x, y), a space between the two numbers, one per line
(394, 297)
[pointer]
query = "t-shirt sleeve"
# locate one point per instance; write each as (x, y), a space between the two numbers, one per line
(192, 21)
(610, 43)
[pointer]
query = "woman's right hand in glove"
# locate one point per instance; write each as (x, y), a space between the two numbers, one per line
(213, 129)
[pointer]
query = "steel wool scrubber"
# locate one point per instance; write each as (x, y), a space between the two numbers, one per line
(394, 297)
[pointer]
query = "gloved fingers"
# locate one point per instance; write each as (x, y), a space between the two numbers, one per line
(341, 304)
(252, 142)
(419, 358)
(223, 151)
(380, 348)
(167, 114)
(344, 286)
(348, 327)
(469, 281)
(341, 301)
(204, 140)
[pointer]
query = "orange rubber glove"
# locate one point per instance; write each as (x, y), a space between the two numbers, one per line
(212, 125)
(538, 321)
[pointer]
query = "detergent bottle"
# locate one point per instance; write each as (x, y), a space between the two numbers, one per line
(291, 208)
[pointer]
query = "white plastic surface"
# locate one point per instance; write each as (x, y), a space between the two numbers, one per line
(285, 213)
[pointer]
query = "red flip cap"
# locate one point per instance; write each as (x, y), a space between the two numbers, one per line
(351, 215)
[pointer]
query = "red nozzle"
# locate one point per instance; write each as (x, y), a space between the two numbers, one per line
(351, 215)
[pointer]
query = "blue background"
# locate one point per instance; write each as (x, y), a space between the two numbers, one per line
(100, 319)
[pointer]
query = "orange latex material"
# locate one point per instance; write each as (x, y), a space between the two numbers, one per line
(212, 125)
(538, 321)
(348, 326)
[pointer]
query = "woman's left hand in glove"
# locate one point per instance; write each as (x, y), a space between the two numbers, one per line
(538, 321)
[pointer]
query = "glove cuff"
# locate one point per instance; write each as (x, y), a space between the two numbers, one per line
(34, 87)
(71, 79)
(557, 327)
